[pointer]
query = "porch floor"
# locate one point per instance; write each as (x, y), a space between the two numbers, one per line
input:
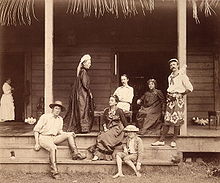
(24, 129)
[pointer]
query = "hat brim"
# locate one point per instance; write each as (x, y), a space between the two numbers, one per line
(53, 105)
(137, 130)
(173, 60)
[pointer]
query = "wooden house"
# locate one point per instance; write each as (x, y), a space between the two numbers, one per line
(41, 58)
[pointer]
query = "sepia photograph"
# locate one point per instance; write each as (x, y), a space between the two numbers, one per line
(109, 91)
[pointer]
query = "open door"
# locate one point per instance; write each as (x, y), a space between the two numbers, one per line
(141, 66)
(12, 66)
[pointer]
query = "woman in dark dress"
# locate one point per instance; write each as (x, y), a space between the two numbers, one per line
(80, 113)
(114, 122)
(152, 105)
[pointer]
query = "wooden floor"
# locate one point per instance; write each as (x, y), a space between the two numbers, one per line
(23, 129)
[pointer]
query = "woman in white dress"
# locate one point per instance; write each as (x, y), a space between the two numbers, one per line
(7, 108)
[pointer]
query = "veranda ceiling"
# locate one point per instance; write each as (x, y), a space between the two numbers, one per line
(22, 12)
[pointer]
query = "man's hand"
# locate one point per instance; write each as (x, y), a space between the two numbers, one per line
(139, 101)
(37, 147)
(138, 166)
(73, 134)
(105, 129)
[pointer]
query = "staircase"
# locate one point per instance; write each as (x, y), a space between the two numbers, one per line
(17, 154)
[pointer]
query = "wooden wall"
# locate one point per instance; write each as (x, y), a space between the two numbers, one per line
(201, 73)
(65, 64)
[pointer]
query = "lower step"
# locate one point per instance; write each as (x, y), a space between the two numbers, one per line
(67, 165)
(164, 153)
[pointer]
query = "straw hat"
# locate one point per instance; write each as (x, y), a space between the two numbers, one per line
(57, 103)
(131, 128)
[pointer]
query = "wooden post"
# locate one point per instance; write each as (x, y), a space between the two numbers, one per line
(48, 70)
(181, 21)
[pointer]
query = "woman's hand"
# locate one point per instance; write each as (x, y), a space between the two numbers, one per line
(91, 96)
(139, 101)
(125, 150)
(105, 129)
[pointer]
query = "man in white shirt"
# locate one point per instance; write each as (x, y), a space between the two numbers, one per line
(48, 133)
(178, 86)
(125, 94)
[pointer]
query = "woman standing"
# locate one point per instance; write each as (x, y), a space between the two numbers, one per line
(80, 113)
(7, 108)
(152, 104)
(113, 124)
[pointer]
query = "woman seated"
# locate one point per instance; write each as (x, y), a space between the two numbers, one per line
(113, 124)
(152, 104)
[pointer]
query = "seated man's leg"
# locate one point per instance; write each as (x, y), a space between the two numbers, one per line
(129, 159)
(72, 144)
(47, 143)
(119, 157)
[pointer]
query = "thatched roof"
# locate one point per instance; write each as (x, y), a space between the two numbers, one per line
(21, 12)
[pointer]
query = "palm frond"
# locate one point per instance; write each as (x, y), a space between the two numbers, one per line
(17, 12)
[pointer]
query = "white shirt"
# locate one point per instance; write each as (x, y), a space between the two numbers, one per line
(180, 83)
(125, 95)
(49, 125)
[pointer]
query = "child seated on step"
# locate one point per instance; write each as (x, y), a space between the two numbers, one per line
(132, 152)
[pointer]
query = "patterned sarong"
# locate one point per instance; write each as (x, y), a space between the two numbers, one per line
(174, 109)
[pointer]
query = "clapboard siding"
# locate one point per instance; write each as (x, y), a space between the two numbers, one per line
(201, 73)
(64, 73)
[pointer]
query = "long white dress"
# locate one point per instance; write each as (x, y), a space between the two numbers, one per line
(7, 108)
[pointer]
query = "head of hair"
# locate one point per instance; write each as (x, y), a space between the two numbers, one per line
(125, 75)
(152, 80)
(115, 97)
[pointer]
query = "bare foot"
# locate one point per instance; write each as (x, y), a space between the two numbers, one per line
(118, 175)
(138, 174)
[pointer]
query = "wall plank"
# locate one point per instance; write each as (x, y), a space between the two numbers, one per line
(201, 72)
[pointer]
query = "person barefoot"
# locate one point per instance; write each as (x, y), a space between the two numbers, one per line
(132, 152)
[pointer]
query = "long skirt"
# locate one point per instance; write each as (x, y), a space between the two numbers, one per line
(7, 108)
(107, 141)
(174, 110)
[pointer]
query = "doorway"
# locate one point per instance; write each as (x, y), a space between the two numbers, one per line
(141, 66)
(13, 66)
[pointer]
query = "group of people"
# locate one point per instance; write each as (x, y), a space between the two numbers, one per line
(78, 119)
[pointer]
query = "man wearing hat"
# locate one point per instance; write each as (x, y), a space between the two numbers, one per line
(132, 152)
(178, 86)
(48, 133)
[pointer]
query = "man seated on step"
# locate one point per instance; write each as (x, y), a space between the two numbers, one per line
(48, 133)
(132, 152)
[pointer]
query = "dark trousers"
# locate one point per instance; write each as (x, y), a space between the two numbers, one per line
(166, 130)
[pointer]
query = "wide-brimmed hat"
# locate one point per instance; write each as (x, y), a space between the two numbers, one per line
(131, 128)
(173, 60)
(57, 103)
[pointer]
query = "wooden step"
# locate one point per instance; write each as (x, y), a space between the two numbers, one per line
(162, 153)
(67, 165)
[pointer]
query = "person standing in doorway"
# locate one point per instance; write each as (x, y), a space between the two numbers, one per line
(178, 86)
(7, 108)
(80, 113)
(125, 94)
